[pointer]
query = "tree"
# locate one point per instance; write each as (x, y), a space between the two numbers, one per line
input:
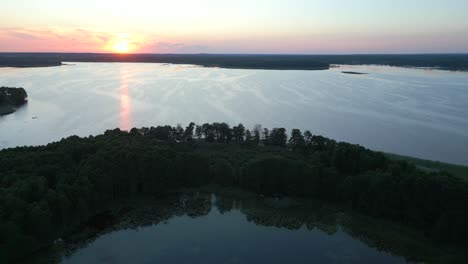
(161, 132)
(13, 96)
(308, 138)
(257, 134)
(188, 135)
(297, 140)
(221, 132)
(198, 131)
(238, 133)
(248, 137)
(178, 133)
(208, 131)
(266, 136)
(278, 137)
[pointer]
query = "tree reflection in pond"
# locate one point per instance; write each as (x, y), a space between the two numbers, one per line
(238, 227)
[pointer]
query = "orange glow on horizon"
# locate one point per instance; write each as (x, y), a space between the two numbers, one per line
(121, 46)
(124, 43)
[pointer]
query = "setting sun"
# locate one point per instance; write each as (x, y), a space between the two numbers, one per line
(121, 47)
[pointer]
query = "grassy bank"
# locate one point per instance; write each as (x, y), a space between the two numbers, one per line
(429, 165)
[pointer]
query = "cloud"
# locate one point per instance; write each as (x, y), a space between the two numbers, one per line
(174, 47)
(21, 35)
(86, 40)
(49, 40)
(91, 40)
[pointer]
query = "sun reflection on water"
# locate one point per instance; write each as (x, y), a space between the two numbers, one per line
(125, 110)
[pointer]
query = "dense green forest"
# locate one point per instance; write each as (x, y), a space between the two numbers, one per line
(10, 98)
(47, 191)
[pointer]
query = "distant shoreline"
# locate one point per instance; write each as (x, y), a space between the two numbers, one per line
(31, 66)
(446, 62)
(266, 62)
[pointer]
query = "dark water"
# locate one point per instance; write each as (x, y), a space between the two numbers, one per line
(204, 228)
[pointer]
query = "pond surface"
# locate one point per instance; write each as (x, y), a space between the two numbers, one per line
(209, 229)
(421, 113)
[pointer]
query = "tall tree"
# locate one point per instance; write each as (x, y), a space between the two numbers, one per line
(188, 134)
(308, 137)
(257, 134)
(266, 136)
(278, 137)
(208, 132)
(198, 132)
(248, 137)
(178, 133)
(297, 140)
(238, 133)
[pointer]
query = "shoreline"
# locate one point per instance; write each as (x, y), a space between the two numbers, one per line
(335, 66)
(445, 62)
(6, 110)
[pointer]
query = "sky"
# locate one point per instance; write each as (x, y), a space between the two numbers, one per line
(235, 26)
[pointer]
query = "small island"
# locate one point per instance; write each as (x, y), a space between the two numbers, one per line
(353, 72)
(11, 98)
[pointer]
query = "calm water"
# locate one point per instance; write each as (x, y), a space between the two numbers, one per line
(421, 113)
(231, 232)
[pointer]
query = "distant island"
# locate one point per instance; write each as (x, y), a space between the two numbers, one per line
(49, 191)
(11, 98)
(353, 72)
(450, 62)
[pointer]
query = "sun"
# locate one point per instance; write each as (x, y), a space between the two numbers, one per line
(123, 43)
(121, 46)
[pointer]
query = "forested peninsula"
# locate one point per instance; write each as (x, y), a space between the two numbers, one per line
(27, 60)
(11, 98)
(46, 192)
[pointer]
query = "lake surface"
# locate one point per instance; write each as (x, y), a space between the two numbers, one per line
(421, 113)
(204, 229)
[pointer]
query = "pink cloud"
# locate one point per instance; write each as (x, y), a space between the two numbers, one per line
(173, 47)
(83, 40)
(78, 40)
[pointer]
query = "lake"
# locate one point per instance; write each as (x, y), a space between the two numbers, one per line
(415, 112)
(206, 228)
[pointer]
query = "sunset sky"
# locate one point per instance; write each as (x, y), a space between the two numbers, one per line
(235, 26)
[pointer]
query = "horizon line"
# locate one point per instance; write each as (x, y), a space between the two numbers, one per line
(238, 54)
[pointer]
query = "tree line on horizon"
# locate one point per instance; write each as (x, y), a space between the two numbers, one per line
(47, 192)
